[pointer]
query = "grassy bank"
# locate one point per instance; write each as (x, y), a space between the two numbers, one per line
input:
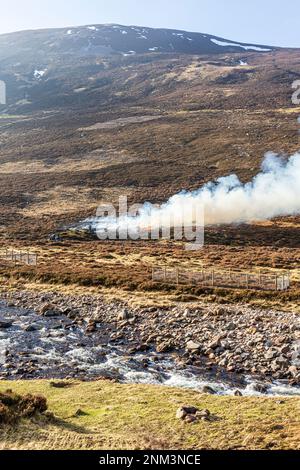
(105, 415)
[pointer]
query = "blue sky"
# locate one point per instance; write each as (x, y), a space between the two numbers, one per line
(274, 22)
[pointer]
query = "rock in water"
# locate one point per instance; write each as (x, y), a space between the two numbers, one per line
(30, 328)
(51, 313)
(48, 310)
(4, 324)
(261, 388)
(208, 389)
(91, 327)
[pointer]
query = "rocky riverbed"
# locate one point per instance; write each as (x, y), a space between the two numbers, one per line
(226, 348)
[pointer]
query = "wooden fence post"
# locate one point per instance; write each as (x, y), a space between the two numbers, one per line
(260, 279)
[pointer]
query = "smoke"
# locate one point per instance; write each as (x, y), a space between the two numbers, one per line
(275, 191)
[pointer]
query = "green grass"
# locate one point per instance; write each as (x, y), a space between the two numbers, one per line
(118, 416)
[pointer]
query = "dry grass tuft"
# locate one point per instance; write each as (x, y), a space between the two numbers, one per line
(14, 407)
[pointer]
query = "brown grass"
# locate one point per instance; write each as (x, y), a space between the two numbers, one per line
(14, 407)
(125, 269)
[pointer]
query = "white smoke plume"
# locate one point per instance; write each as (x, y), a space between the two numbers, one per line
(275, 191)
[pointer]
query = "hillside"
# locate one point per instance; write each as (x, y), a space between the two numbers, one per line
(80, 127)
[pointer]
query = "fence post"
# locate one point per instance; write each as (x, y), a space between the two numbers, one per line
(260, 279)
(213, 278)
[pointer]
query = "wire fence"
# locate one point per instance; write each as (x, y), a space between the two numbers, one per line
(20, 257)
(221, 278)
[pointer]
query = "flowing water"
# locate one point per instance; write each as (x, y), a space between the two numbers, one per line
(55, 347)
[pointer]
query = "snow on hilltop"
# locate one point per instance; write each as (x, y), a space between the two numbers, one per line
(114, 39)
(247, 48)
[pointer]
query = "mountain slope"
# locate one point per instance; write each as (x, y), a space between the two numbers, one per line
(105, 40)
(79, 129)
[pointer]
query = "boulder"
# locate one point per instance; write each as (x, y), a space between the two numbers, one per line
(30, 328)
(215, 343)
(124, 315)
(49, 310)
(282, 361)
(207, 389)
(165, 346)
(51, 313)
(193, 346)
(4, 324)
(185, 411)
(271, 354)
(190, 409)
(261, 388)
(285, 349)
(91, 327)
(180, 413)
(44, 308)
(202, 413)
(190, 419)
(293, 371)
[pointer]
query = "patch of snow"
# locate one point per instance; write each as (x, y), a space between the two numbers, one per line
(124, 32)
(79, 90)
(143, 37)
(153, 49)
(69, 31)
(38, 74)
(242, 62)
(92, 28)
(129, 53)
(247, 48)
(190, 39)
